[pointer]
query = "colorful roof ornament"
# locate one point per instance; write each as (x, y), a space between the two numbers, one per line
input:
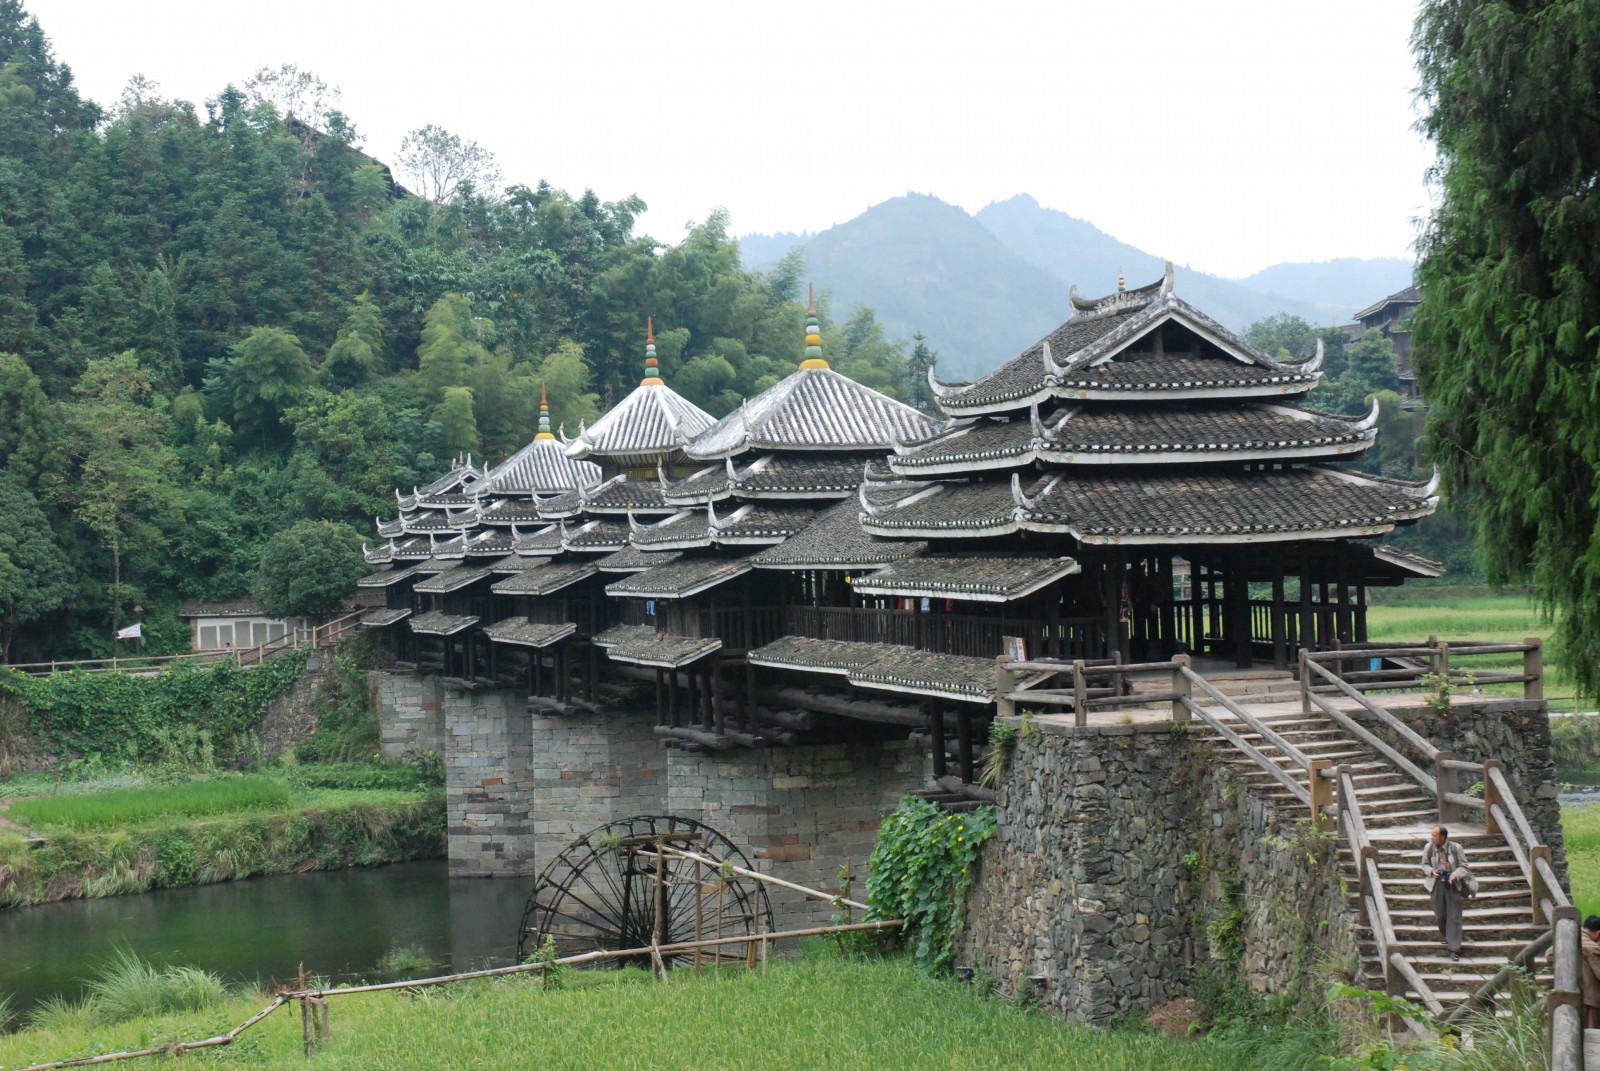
(652, 368)
(814, 357)
(544, 414)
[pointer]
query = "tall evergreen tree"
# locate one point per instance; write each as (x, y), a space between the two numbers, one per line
(1508, 332)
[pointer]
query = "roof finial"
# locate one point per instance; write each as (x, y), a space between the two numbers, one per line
(544, 414)
(1122, 283)
(813, 332)
(652, 368)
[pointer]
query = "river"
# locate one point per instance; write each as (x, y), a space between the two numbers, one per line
(339, 923)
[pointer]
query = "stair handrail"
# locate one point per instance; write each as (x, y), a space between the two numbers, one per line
(1250, 751)
(1256, 724)
(1414, 739)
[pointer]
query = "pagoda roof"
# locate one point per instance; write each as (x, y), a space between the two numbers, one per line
(757, 523)
(450, 580)
(594, 536)
(1411, 295)
(978, 578)
(631, 559)
(542, 467)
(414, 548)
(775, 476)
(1078, 434)
(685, 529)
(821, 656)
(518, 631)
(835, 540)
(490, 542)
(653, 421)
(642, 645)
(436, 565)
(679, 579)
(1142, 507)
(1091, 356)
(508, 511)
(545, 579)
(442, 624)
(811, 409)
(888, 667)
(1406, 562)
(386, 577)
(384, 618)
(544, 542)
(514, 563)
(616, 495)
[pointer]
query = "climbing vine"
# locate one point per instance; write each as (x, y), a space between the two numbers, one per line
(921, 870)
(185, 712)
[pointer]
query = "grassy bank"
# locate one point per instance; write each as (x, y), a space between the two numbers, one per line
(814, 1014)
(131, 838)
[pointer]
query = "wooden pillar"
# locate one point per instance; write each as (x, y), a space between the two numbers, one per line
(1169, 607)
(494, 661)
(533, 670)
(661, 713)
(1308, 631)
(1111, 594)
(692, 678)
(1361, 610)
(964, 741)
(1197, 609)
(718, 717)
(672, 699)
(1344, 620)
(592, 680)
(749, 707)
(936, 736)
(1280, 643)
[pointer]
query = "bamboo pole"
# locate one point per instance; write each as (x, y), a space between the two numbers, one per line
(815, 894)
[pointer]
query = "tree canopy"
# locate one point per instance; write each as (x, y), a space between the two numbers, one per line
(1506, 335)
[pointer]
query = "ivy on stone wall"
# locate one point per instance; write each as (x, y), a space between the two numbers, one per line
(920, 871)
(188, 714)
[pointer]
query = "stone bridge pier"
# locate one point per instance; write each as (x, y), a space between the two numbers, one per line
(519, 787)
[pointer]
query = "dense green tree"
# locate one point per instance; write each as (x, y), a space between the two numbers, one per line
(34, 576)
(121, 486)
(457, 420)
(1506, 335)
(451, 345)
(917, 391)
(565, 375)
(357, 353)
(263, 376)
(26, 420)
(308, 569)
(439, 164)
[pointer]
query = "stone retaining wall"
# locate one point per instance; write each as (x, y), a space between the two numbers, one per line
(410, 712)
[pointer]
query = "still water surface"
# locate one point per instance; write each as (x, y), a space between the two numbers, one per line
(338, 923)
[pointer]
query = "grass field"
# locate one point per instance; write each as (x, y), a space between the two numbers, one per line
(1467, 614)
(822, 1014)
(132, 806)
(1580, 826)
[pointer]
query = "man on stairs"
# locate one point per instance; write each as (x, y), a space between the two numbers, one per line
(1444, 864)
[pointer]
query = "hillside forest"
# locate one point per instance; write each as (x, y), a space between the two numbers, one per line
(227, 335)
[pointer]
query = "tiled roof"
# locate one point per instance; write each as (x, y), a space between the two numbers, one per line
(755, 523)
(1411, 295)
(976, 577)
(436, 565)
(390, 528)
(617, 495)
(595, 537)
(517, 631)
(651, 421)
(546, 579)
(812, 409)
(440, 624)
(711, 482)
(490, 542)
(514, 563)
(1149, 433)
(821, 656)
(684, 529)
(1414, 564)
(642, 645)
(450, 580)
(834, 540)
(631, 559)
(1090, 356)
(679, 579)
(385, 578)
(546, 540)
(945, 676)
(955, 509)
(242, 607)
(459, 474)
(413, 549)
(381, 554)
(511, 511)
(384, 618)
(799, 476)
(541, 467)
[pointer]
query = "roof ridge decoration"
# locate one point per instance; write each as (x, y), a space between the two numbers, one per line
(652, 367)
(814, 358)
(544, 414)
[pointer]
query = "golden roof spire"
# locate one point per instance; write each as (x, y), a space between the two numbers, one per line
(544, 414)
(813, 332)
(652, 367)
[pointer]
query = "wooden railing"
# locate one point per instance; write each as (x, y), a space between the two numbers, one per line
(325, 635)
(960, 634)
(1036, 683)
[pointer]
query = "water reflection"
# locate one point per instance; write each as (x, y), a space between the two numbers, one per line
(339, 924)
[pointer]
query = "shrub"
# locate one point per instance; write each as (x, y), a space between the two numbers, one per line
(129, 988)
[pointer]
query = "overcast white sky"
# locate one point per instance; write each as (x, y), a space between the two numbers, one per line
(1226, 134)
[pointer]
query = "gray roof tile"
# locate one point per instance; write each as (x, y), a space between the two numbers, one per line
(642, 645)
(385, 578)
(834, 540)
(632, 559)
(650, 422)
(679, 579)
(518, 632)
(812, 409)
(384, 618)
(546, 579)
(450, 580)
(978, 577)
(440, 624)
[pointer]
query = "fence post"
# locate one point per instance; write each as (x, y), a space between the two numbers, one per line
(1447, 781)
(1005, 682)
(1321, 795)
(1305, 682)
(1182, 686)
(1491, 799)
(1080, 695)
(1541, 891)
(1533, 668)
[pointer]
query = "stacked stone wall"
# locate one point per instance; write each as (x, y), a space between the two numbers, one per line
(489, 785)
(590, 770)
(410, 712)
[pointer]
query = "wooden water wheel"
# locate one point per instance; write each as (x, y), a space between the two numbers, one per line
(608, 889)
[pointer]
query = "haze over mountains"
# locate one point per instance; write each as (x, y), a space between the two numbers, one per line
(983, 287)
